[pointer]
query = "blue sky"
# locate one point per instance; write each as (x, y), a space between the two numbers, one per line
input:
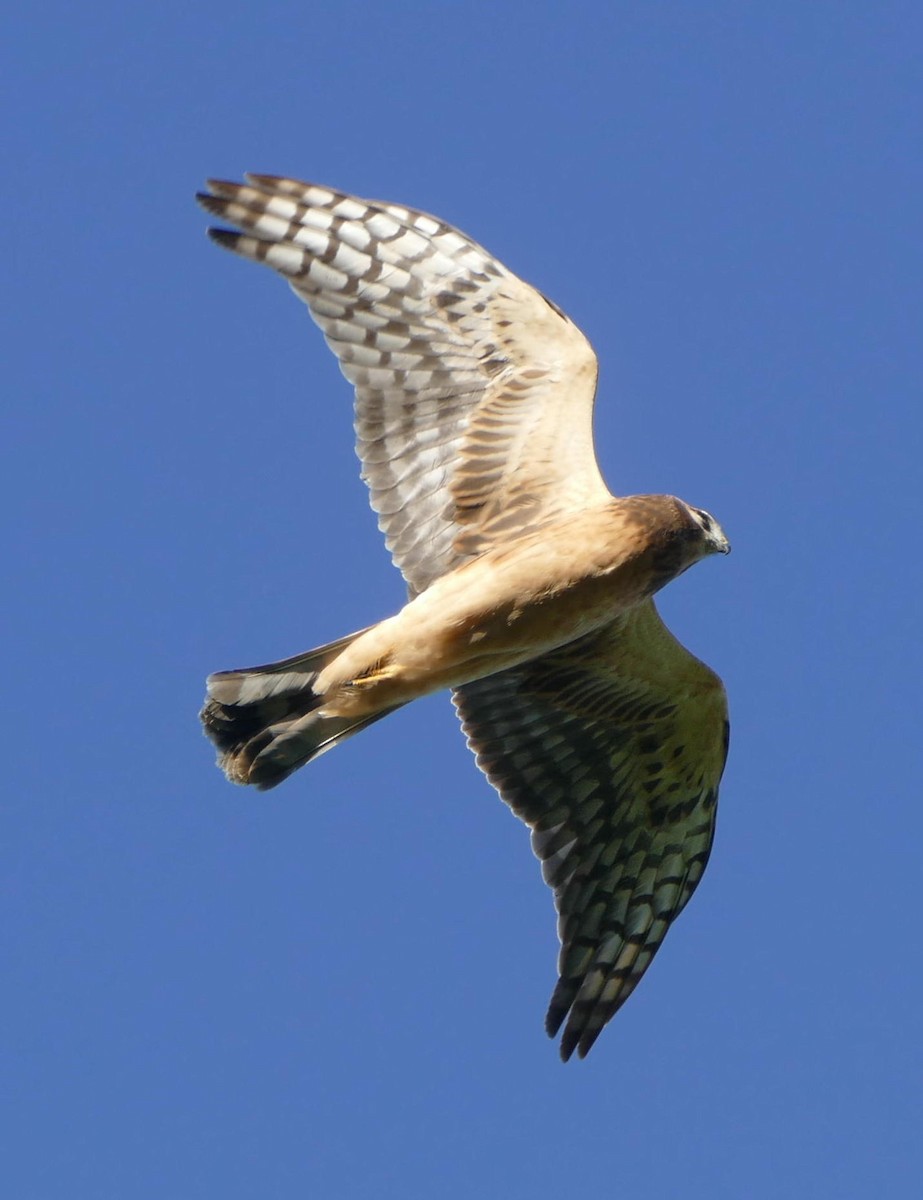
(337, 989)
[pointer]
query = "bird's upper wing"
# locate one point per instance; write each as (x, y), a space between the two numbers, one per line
(474, 394)
(611, 749)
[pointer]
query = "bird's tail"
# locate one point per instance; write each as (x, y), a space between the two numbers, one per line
(264, 720)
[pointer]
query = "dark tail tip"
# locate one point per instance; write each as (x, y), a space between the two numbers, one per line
(241, 732)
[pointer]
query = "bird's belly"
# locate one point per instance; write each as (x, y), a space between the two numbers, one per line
(478, 622)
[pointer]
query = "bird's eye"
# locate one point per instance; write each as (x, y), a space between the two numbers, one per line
(705, 518)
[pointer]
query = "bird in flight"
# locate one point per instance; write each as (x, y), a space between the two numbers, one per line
(530, 584)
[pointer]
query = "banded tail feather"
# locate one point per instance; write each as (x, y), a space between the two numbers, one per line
(267, 721)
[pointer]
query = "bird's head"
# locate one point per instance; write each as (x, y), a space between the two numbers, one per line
(713, 535)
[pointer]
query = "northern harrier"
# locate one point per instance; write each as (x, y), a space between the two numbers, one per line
(530, 584)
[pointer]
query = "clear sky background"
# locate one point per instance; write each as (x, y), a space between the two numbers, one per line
(337, 989)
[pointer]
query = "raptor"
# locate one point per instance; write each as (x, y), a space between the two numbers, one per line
(530, 584)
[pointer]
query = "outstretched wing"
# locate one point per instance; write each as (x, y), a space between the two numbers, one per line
(474, 394)
(611, 749)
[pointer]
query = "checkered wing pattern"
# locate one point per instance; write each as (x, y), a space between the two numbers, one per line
(611, 749)
(474, 393)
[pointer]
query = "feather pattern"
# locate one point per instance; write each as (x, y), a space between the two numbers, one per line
(465, 428)
(611, 749)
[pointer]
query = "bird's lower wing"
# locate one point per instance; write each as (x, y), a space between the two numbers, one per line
(611, 749)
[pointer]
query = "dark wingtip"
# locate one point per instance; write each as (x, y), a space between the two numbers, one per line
(575, 1038)
(224, 237)
(569, 1043)
(553, 1021)
(261, 180)
(581, 1041)
(223, 187)
(587, 1041)
(216, 207)
(211, 204)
